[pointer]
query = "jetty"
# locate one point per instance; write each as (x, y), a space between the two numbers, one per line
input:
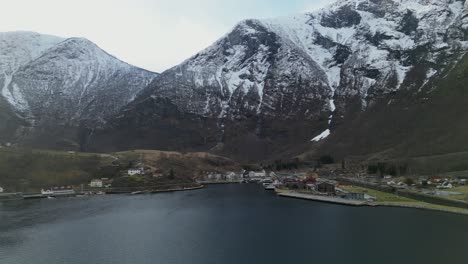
(11, 196)
(323, 198)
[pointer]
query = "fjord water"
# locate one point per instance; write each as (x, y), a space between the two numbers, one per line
(223, 224)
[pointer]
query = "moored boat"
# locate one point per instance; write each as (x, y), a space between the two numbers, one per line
(58, 192)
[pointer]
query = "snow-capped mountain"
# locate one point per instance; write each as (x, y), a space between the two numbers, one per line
(51, 81)
(289, 80)
(18, 49)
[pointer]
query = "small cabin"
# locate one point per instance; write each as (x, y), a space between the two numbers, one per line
(256, 174)
(96, 183)
(132, 172)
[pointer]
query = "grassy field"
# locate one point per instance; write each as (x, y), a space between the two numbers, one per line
(31, 170)
(460, 189)
(189, 164)
(395, 200)
(381, 196)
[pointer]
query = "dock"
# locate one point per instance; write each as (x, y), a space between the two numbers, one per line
(43, 196)
(11, 196)
(322, 198)
(218, 182)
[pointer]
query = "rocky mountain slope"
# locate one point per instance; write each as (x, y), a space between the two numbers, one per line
(276, 86)
(62, 88)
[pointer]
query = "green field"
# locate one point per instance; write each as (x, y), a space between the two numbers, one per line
(461, 189)
(395, 200)
(31, 170)
(381, 196)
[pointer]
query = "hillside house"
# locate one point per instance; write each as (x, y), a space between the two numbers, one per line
(295, 185)
(132, 172)
(96, 183)
(255, 174)
(232, 176)
(445, 185)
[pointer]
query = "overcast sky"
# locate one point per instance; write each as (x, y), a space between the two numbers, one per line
(152, 34)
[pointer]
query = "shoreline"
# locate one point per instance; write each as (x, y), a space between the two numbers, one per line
(302, 196)
(461, 211)
(356, 203)
(324, 199)
(149, 191)
(218, 182)
(179, 189)
(78, 194)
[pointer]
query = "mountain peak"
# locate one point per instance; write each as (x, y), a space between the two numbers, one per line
(20, 47)
(290, 79)
(56, 82)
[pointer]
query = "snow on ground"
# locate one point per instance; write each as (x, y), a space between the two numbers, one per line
(322, 136)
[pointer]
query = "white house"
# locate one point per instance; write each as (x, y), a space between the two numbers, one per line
(254, 174)
(96, 183)
(1, 189)
(445, 185)
(231, 176)
(132, 172)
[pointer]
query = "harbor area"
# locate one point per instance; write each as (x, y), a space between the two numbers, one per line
(321, 198)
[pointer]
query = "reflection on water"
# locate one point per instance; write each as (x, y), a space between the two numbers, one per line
(223, 224)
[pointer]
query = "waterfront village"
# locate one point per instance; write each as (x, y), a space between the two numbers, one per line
(331, 184)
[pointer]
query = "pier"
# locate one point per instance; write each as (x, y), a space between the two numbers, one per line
(11, 196)
(322, 198)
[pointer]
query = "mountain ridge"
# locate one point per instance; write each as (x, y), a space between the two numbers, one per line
(271, 86)
(67, 84)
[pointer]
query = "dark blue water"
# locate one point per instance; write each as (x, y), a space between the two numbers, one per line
(224, 224)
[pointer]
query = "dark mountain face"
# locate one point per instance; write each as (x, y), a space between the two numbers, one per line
(408, 123)
(331, 81)
(10, 123)
(61, 89)
(233, 98)
(269, 87)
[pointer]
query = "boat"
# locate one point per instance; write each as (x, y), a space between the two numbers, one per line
(270, 187)
(47, 192)
(137, 192)
(64, 192)
(55, 192)
(267, 182)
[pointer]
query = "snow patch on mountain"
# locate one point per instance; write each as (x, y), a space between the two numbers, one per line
(20, 47)
(16, 50)
(70, 80)
(310, 67)
(14, 96)
(322, 136)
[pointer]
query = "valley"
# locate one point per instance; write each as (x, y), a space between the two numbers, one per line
(366, 84)
(245, 131)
